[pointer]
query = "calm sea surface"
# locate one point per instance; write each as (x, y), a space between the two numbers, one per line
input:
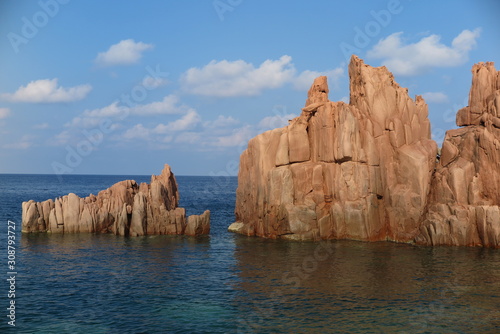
(228, 283)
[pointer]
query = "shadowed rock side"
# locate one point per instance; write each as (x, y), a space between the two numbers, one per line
(357, 171)
(465, 195)
(126, 208)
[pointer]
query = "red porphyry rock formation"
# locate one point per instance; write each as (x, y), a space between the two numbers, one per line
(126, 208)
(357, 171)
(465, 191)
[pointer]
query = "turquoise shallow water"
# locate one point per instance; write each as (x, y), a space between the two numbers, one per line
(227, 283)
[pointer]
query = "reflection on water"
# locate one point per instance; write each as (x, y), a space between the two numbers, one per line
(366, 287)
(103, 283)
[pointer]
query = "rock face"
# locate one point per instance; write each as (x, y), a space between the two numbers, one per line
(465, 195)
(357, 171)
(367, 170)
(126, 208)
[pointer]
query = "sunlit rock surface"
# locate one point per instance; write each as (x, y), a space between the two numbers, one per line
(341, 171)
(367, 170)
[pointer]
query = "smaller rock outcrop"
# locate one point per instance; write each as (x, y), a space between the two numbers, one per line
(126, 208)
(464, 201)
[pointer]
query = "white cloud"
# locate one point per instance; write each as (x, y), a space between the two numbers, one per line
(47, 91)
(435, 97)
(305, 79)
(238, 137)
(190, 130)
(168, 106)
(41, 126)
(4, 113)
(92, 118)
(166, 139)
(160, 129)
(109, 111)
(466, 40)
(189, 138)
(84, 122)
(220, 122)
(138, 131)
(277, 121)
(155, 137)
(237, 78)
(23, 143)
(150, 82)
(429, 52)
(60, 139)
(126, 52)
(218, 134)
(141, 132)
(186, 122)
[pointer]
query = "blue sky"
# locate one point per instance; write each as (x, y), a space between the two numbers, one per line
(122, 87)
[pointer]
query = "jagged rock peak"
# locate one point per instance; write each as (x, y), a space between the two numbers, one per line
(170, 195)
(318, 93)
(374, 91)
(484, 97)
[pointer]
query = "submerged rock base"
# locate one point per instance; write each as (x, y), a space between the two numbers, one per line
(126, 208)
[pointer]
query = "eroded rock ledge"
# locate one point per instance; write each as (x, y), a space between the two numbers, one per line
(126, 208)
(364, 170)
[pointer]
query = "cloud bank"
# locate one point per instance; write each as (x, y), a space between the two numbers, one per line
(239, 78)
(47, 91)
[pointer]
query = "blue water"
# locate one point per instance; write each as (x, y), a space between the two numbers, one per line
(227, 283)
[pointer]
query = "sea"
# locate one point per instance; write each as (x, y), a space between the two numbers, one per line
(227, 283)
